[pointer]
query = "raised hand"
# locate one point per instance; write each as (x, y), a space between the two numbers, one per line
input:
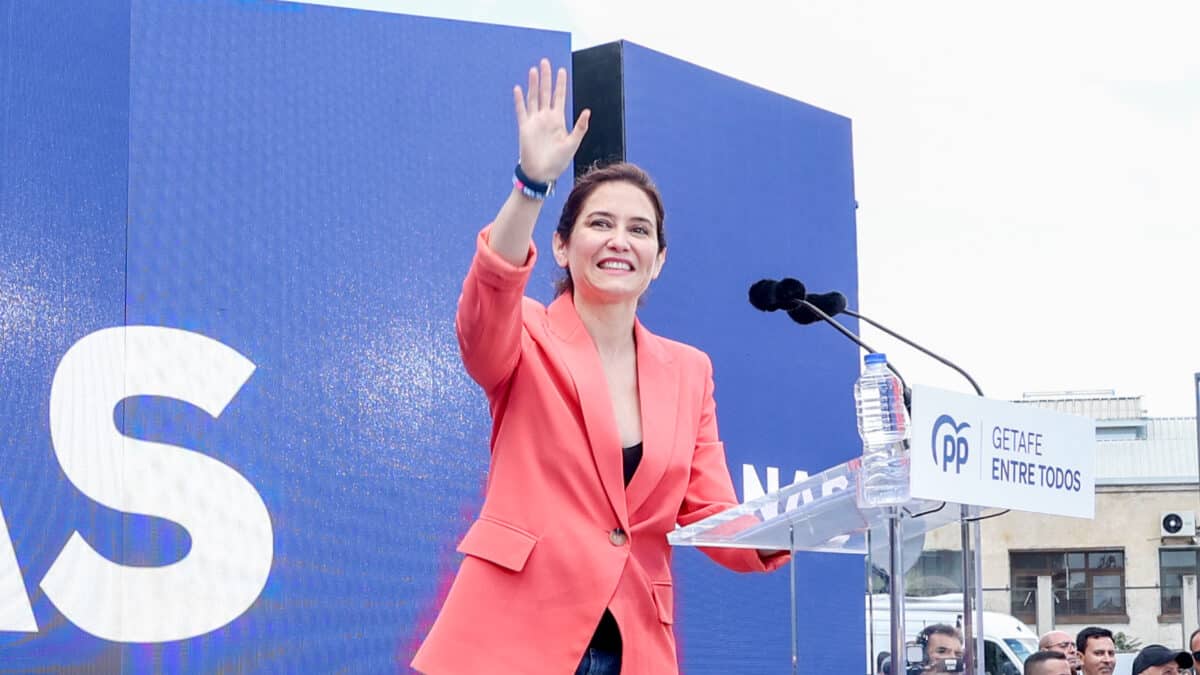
(546, 146)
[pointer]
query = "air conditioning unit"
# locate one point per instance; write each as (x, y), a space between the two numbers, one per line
(1177, 524)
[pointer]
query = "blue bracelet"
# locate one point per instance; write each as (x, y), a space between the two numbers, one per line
(531, 188)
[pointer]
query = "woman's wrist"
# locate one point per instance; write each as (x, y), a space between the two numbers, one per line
(530, 187)
(518, 196)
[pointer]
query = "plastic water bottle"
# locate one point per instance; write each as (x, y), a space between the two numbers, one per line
(883, 426)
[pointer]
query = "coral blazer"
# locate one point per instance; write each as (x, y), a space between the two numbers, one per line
(559, 537)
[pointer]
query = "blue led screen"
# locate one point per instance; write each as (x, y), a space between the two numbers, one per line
(236, 432)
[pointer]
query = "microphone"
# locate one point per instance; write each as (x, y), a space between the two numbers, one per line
(768, 295)
(834, 303)
(831, 304)
(811, 312)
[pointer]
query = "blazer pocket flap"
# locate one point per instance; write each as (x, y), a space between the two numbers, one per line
(664, 599)
(499, 543)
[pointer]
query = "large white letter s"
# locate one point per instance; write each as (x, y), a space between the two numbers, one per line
(232, 540)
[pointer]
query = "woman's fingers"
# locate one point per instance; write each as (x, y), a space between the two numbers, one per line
(541, 121)
(531, 92)
(560, 89)
(519, 104)
(544, 93)
(545, 84)
(581, 127)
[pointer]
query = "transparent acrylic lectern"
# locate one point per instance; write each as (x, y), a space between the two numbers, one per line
(821, 514)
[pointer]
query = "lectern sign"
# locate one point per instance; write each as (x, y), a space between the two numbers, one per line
(974, 450)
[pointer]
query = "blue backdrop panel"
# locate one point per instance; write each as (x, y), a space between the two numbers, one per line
(63, 148)
(304, 185)
(756, 185)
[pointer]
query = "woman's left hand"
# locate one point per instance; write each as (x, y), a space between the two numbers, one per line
(546, 146)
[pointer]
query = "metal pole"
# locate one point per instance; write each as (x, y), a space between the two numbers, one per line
(964, 533)
(896, 577)
(870, 573)
(1197, 392)
(795, 629)
(977, 578)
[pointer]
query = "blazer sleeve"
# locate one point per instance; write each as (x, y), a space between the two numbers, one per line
(710, 489)
(488, 321)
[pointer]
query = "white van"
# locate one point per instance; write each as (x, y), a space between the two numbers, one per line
(1007, 642)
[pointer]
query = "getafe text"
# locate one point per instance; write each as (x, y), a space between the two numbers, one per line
(1017, 469)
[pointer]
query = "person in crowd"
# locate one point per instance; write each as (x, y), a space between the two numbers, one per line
(604, 435)
(1097, 651)
(1159, 660)
(1194, 643)
(1048, 662)
(942, 647)
(1061, 641)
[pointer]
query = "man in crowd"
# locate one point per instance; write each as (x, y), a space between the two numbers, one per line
(1061, 641)
(1158, 660)
(1047, 662)
(943, 648)
(1097, 652)
(1194, 642)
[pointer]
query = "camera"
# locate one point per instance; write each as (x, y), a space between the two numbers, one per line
(950, 665)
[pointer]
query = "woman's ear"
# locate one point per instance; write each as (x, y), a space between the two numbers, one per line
(659, 261)
(560, 250)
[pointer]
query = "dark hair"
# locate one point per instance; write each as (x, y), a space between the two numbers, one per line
(1088, 633)
(1191, 638)
(585, 185)
(1041, 657)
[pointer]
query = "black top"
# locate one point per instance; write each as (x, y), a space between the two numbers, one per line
(633, 457)
(608, 636)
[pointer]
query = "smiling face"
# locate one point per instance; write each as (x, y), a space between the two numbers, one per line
(1099, 656)
(613, 251)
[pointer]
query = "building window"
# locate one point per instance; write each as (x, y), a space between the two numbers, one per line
(936, 572)
(1173, 563)
(1136, 433)
(1087, 585)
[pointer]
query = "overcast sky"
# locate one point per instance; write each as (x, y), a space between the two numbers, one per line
(1028, 173)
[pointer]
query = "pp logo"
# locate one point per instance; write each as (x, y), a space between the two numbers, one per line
(954, 448)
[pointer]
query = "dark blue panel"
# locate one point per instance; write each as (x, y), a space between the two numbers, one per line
(306, 184)
(63, 174)
(756, 185)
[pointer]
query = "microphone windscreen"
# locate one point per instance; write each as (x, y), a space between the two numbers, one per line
(804, 315)
(832, 303)
(762, 295)
(789, 293)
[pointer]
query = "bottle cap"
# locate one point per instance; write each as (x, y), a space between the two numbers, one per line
(872, 359)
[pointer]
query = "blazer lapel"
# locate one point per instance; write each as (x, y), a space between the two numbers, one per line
(658, 390)
(591, 386)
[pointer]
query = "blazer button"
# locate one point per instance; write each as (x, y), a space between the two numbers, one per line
(617, 537)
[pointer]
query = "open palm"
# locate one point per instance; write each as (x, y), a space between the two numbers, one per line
(546, 146)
